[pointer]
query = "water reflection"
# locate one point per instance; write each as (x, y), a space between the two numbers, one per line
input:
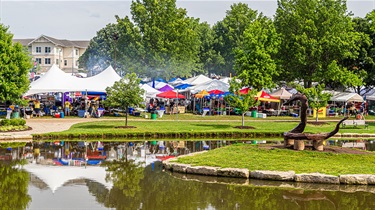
(128, 182)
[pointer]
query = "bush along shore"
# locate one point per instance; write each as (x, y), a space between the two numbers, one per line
(251, 161)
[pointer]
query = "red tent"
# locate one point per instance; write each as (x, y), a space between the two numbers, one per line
(244, 90)
(216, 92)
(169, 94)
(263, 96)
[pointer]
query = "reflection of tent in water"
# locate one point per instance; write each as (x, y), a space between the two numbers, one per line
(56, 176)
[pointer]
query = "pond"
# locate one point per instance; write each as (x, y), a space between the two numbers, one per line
(141, 182)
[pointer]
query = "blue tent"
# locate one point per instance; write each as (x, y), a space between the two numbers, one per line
(183, 86)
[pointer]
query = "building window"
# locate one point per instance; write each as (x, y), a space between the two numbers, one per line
(47, 61)
(65, 62)
(77, 51)
(38, 49)
(38, 60)
(57, 61)
(47, 49)
(76, 63)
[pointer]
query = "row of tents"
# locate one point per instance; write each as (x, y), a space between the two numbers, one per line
(56, 80)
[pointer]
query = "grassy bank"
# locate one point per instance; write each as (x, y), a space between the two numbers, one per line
(190, 128)
(254, 157)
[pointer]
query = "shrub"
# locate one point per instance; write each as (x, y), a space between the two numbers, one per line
(5, 122)
(17, 122)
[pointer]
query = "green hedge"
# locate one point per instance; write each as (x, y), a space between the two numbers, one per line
(14, 122)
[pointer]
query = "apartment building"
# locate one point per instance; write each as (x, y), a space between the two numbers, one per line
(47, 51)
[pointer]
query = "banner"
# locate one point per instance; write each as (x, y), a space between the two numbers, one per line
(322, 112)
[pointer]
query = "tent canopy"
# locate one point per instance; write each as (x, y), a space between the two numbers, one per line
(345, 97)
(165, 88)
(263, 96)
(56, 80)
(281, 93)
(150, 92)
(170, 94)
(211, 85)
(198, 80)
(201, 94)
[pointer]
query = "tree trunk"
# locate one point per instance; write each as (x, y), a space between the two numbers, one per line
(243, 119)
(126, 116)
(317, 113)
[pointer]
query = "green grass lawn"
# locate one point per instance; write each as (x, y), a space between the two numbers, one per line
(254, 157)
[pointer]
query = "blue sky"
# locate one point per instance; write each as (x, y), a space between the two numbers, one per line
(80, 20)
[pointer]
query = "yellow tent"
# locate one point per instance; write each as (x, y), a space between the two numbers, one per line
(201, 94)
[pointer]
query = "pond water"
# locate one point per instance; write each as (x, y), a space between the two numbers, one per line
(141, 182)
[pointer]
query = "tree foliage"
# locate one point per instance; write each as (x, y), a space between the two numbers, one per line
(229, 34)
(316, 97)
(316, 37)
(160, 40)
(255, 62)
(125, 176)
(364, 64)
(209, 58)
(241, 101)
(125, 93)
(13, 187)
(14, 67)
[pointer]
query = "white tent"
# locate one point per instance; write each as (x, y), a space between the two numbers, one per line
(198, 80)
(345, 97)
(98, 82)
(56, 80)
(210, 85)
(56, 176)
(150, 92)
(281, 93)
(177, 82)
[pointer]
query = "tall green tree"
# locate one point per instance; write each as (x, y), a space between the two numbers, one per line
(117, 45)
(125, 93)
(158, 40)
(169, 37)
(364, 63)
(14, 67)
(255, 62)
(316, 37)
(209, 58)
(229, 34)
(241, 101)
(316, 97)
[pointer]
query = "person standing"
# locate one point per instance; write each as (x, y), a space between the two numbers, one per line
(37, 108)
(67, 107)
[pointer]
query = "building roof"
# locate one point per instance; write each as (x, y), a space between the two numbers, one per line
(24, 42)
(59, 42)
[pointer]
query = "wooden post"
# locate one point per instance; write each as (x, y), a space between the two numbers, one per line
(299, 145)
(288, 142)
(318, 145)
